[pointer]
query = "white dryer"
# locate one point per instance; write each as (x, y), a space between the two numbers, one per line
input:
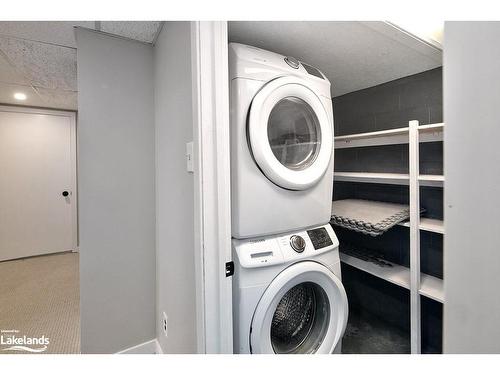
(287, 293)
(281, 143)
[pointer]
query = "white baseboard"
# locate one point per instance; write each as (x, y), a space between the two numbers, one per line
(148, 347)
(159, 350)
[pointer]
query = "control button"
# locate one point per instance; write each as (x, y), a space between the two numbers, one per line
(292, 61)
(297, 243)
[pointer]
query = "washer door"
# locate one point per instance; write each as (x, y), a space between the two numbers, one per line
(290, 133)
(304, 310)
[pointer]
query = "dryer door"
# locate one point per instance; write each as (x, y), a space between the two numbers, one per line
(304, 310)
(290, 133)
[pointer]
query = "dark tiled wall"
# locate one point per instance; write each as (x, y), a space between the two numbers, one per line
(388, 302)
(431, 198)
(431, 253)
(432, 333)
(393, 245)
(391, 105)
(389, 159)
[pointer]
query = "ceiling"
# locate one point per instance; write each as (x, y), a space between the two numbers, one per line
(39, 58)
(353, 55)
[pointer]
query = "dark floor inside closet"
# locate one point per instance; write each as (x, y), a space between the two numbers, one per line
(379, 315)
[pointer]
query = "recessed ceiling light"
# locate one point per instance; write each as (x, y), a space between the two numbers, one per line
(20, 96)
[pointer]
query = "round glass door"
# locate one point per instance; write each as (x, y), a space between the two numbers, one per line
(303, 311)
(290, 133)
(294, 133)
(300, 321)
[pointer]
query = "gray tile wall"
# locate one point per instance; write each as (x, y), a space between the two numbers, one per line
(391, 105)
(389, 159)
(388, 302)
(432, 332)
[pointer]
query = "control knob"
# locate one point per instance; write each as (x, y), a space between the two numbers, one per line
(297, 243)
(292, 62)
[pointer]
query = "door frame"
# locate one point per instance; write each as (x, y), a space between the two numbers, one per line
(212, 200)
(73, 156)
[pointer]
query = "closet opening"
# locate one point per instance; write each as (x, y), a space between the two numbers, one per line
(387, 203)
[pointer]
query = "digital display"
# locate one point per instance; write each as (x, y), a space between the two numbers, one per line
(312, 71)
(319, 238)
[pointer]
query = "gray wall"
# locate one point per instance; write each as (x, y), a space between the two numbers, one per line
(116, 192)
(388, 106)
(472, 157)
(174, 189)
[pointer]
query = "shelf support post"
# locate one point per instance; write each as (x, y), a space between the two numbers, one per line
(414, 170)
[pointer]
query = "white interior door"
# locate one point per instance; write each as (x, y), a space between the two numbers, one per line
(37, 165)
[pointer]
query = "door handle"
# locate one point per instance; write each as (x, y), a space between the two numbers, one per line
(65, 193)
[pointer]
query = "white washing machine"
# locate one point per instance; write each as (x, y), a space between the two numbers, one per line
(281, 143)
(287, 293)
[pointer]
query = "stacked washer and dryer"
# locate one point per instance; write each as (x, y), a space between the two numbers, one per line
(287, 291)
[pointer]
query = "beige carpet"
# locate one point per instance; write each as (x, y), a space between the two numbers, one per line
(41, 296)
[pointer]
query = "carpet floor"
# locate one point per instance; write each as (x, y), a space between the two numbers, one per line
(41, 296)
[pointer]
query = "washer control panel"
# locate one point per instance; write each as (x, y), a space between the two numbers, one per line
(278, 249)
(319, 238)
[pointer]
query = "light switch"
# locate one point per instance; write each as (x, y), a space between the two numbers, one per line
(189, 157)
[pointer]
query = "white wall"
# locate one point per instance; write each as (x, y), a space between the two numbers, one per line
(174, 189)
(116, 192)
(472, 195)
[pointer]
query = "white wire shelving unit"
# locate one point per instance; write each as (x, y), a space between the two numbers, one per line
(388, 178)
(411, 278)
(430, 286)
(428, 225)
(428, 133)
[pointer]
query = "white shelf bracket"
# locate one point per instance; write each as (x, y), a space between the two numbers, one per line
(414, 170)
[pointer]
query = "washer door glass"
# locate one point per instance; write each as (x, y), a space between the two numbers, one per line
(303, 310)
(300, 321)
(294, 133)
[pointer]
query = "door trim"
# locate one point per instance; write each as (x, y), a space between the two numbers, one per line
(73, 151)
(212, 201)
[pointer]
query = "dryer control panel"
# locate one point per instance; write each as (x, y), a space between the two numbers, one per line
(284, 248)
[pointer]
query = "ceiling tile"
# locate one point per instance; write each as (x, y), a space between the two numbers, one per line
(58, 98)
(353, 55)
(39, 58)
(8, 73)
(55, 32)
(144, 31)
(44, 65)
